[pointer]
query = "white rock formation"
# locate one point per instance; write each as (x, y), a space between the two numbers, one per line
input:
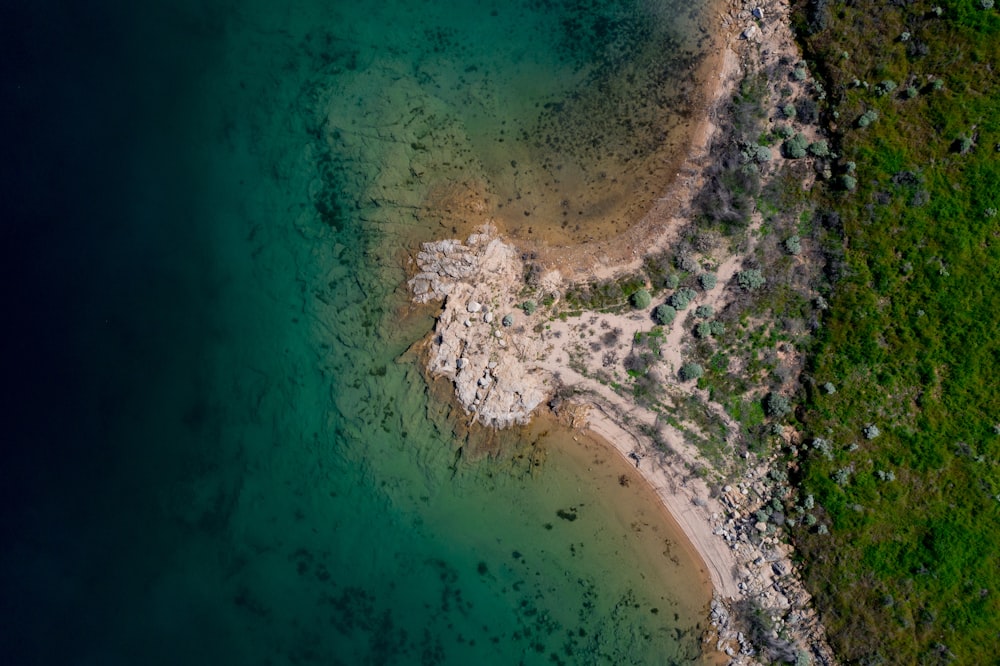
(492, 380)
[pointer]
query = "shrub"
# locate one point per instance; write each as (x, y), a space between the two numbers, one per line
(809, 503)
(717, 328)
(690, 371)
(704, 311)
(829, 388)
(886, 87)
(681, 298)
(800, 73)
(867, 118)
(986, 4)
(807, 111)
(686, 263)
(529, 307)
(508, 320)
(823, 446)
(672, 281)
(793, 245)
(702, 330)
(664, 314)
(788, 110)
(776, 405)
(871, 431)
(848, 182)
(841, 476)
(783, 131)
(911, 92)
(707, 281)
(641, 299)
(763, 154)
(819, 148)
(795, 147)
(938, 84)
(750, 279)
(964, 144)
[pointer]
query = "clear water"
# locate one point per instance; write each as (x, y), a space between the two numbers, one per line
(218, 449)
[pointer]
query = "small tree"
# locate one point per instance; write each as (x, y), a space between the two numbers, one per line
(664, 314)
(750, 279)
(641, 299)
(707, 281)
(690, 371)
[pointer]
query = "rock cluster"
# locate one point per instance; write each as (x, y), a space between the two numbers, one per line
(486, 360)
(767, 577)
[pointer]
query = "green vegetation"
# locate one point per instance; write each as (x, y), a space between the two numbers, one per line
(681, 298)
(641, 299)
(664, 315)
(690, 371)
(904, 464)
(750, 279)
(795, 147)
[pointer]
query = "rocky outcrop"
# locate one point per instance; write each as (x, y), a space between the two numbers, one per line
(488, 362)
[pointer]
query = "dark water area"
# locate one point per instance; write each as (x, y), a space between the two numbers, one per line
(214, 447)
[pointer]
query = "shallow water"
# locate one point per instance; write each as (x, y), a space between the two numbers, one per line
(219, 451)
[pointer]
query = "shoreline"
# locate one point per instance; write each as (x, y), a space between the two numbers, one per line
(502, 372)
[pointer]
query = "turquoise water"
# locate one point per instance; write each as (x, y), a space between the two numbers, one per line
(218, 450)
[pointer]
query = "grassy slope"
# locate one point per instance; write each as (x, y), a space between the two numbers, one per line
(910, 572)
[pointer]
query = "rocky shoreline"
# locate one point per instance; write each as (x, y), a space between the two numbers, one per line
(506, 360)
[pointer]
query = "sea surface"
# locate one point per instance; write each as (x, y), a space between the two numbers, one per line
(216, 446)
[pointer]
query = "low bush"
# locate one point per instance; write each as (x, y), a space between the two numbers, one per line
(641, 299)
(795, 147)
(664, 314)
(690, 371)
(750, 279)
(776, 405)
(681, 298)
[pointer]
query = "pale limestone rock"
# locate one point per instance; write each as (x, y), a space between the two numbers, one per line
(481, 270)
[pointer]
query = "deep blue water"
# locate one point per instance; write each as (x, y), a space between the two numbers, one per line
(215, 449)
